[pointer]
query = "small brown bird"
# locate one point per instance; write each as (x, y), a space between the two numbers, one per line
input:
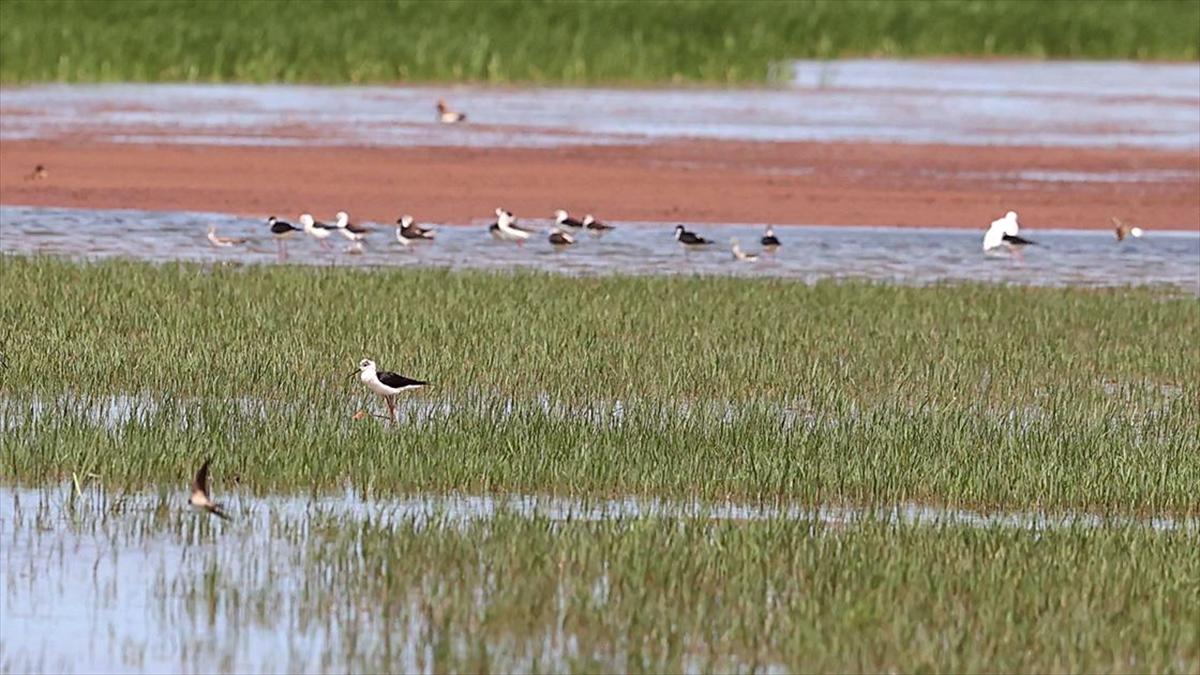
(1123, 229)
(448, 115)
(39, 173)
(222, 242)
(200, 499)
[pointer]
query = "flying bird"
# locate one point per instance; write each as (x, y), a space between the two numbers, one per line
(1123, 229)
(39, 173)
(200, 498)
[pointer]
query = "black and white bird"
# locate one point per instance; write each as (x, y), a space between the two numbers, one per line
(409, 231)
(448, 115)
(200, 498)
(349, 230)
(222, 242)
(1004, 234)
(386, 384)
(561, 219)
(1123, 229)
(506, 229)
(559, 238)
(592, 225)
(769, 241)
(281, 230)
(315, 229)
(739, 254)
(688, 238)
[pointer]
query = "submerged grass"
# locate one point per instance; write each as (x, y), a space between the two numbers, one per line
(514, 594)
(706, 41)
(971, 395)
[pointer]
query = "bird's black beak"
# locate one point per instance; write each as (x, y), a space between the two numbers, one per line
(356, 371)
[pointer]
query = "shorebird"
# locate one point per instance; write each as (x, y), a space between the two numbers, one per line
(349, 230)
(506, 229)
(384, 383)
(1003, 233)
(200, 498)
(560, 239)
(1123, 229)
(409, 231)
(593, 225)
(688, 238)
(39, 173)
(281, 230)
(769, 241)
(317, 230)
(739, 254)
(222, 242)
(563, 220)
(447, 115)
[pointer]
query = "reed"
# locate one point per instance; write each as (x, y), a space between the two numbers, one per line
(706, 41)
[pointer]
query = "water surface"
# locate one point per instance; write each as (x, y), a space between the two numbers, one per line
(809, 253)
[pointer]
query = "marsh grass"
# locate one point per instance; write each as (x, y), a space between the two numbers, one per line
(554, 42)
(514, 593)
(972, 395)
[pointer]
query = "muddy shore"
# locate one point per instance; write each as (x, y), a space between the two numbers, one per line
(698, 181)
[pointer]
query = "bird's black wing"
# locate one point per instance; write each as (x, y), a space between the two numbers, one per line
(397, 381)
(770, 241)
(571, 222)
(1019, 241)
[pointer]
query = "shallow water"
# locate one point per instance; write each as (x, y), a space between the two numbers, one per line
(810, 253)
(1078, 104)
(100, 582)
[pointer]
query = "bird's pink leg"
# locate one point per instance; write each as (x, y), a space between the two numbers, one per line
(391, 404)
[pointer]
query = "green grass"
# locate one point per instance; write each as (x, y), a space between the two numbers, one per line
(701, 41)
(517, 594)
(768, 390)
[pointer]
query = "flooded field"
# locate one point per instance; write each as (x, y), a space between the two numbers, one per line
(101, 582)
(809, 253)
(992, 103)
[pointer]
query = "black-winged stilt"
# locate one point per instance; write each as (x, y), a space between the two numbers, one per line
(39, 173)
(408, 231)
(386, 384)
(349, 230)
(561, 219)
(559, 238)
(448, 115)
(281, 230)
(506, 229)
(592, 225)
(688, 238)
(1003, 234)
(200, 498)
(1123, 229)
(769, 241)
(317, 230)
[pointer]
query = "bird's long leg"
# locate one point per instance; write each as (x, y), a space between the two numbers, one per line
(280, 250)
(391, 404)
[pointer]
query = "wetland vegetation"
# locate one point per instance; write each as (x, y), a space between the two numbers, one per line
(706, 41)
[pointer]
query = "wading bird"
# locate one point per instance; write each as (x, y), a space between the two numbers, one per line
(769, 241)
(385, 383)
(1123, 229)
(506, 229)
(448, 115)
(200, 498)
(1003, 234)
(349, 230)
(408, 231)
(596, 227)
(561, 219)
(317, 230)
(222, 242)
(739, 254)
(560, 239)
(281, 230)
(688, 238)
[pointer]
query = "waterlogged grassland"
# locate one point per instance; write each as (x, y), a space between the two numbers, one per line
(979, 396)
(554, 42)
(513, 593)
